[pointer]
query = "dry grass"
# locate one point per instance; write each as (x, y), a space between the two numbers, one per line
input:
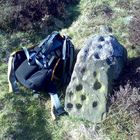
(34, 15)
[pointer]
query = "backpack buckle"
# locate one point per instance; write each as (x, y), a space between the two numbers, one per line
(57, 112)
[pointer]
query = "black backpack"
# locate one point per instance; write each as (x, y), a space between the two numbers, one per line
(46, 67)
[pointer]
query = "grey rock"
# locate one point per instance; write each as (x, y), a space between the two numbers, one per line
(98, 64)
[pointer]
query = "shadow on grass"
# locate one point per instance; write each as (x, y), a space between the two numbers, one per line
(129, 76)
(131, 73)
(27, 117)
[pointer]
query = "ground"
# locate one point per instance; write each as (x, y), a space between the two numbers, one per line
(24, 116)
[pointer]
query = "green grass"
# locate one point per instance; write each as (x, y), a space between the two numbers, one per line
(24, 117)
(93, 15)
(21, 115)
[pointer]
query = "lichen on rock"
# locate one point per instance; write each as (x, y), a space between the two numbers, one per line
(98, 64)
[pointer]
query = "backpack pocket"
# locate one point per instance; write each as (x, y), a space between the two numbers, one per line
(39, 81)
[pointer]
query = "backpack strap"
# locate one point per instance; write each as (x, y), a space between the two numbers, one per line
(67, 47)
(71, 56)
(43, 48)
(11, 75)
(46, 44)
(56, 107)
(27, 54)
(64, 50)
(31, 57)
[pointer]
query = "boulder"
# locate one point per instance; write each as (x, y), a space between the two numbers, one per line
(98, 64)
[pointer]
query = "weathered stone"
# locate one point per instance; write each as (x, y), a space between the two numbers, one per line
(98, 64)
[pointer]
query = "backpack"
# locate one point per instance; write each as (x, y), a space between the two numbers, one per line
(45, 67)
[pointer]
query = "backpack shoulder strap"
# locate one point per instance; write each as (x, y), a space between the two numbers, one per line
(43, 48)
(46, 44)
(68, 50)
(56, 107)
(71, 55)
(64, 48)
(11, 74)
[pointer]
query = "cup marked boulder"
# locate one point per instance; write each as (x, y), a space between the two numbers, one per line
(98, 64)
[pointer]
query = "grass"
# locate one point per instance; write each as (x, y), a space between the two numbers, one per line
(23, 116)
(97, 13)
(123, 115)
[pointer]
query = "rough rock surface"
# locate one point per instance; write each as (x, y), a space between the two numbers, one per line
(98, 64)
